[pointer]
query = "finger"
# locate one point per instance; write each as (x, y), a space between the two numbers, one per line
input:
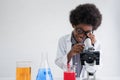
(80, 48)
(90, 35)
(81, 44)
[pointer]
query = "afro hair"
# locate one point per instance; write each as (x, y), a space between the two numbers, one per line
(86, 14)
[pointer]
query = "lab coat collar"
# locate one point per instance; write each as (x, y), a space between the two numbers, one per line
(69, 37)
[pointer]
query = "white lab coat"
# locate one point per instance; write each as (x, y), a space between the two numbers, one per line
(64, 46)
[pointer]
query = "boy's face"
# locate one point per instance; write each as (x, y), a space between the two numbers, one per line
(80, 31)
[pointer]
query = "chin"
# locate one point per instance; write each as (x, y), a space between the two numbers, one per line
(79, 41)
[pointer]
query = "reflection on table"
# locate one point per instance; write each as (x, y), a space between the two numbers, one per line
(102, 78)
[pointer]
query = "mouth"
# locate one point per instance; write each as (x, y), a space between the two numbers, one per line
(81, 39)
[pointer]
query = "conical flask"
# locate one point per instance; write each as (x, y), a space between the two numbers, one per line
(44, 72)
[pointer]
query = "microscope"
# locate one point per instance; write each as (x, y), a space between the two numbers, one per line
(89, 58)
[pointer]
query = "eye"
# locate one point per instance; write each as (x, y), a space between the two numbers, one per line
(79, 31)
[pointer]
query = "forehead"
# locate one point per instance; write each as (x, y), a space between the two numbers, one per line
(85, 27)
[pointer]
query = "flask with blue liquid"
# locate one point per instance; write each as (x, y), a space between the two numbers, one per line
(44, 72)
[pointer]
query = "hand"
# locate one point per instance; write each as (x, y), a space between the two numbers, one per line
(92, 37)
(76, 49)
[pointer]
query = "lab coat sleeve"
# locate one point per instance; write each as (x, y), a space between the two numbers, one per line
(61, 57)
(97, 47)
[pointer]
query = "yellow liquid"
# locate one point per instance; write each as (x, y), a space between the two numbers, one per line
(23, 73)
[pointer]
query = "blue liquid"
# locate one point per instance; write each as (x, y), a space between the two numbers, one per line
(44, 74)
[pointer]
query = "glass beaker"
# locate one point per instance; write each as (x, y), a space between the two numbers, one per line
(23, 70)
(44, 72)
(69, 73)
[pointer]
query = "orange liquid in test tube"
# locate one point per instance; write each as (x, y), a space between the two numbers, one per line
(23, 73)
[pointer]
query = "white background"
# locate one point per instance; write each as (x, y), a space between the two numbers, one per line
(30, 27)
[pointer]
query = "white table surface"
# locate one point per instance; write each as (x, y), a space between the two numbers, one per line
(102, 78)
